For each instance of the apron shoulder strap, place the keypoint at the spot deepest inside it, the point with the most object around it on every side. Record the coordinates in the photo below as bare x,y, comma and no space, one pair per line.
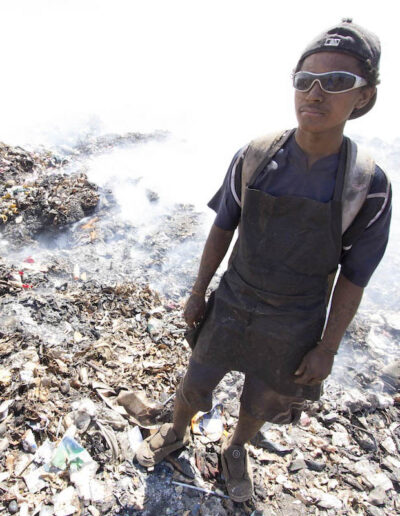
360,168
259,152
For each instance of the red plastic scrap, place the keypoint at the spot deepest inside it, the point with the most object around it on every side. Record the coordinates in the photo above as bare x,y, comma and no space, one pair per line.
29,260
26,285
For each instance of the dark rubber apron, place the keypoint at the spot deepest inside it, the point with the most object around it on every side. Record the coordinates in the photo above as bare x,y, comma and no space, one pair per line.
270,307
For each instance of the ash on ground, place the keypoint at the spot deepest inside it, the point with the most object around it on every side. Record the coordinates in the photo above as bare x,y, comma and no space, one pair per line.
91,355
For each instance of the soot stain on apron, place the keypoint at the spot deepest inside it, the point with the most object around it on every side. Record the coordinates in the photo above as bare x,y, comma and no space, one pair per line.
270,306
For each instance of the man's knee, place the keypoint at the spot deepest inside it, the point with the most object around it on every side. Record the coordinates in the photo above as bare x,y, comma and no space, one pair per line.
195,397
196,388
263,403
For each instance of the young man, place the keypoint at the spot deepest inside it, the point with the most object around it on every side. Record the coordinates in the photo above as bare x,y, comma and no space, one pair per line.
297,204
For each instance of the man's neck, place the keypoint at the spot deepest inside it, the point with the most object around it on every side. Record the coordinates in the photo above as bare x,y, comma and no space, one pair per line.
317,146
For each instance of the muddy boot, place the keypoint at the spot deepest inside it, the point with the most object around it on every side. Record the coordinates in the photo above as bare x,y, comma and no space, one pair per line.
237,472
157,446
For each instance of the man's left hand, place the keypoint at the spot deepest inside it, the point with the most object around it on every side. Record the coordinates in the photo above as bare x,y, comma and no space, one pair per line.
315,367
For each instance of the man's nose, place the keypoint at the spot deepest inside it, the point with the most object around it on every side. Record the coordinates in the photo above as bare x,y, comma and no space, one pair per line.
315,92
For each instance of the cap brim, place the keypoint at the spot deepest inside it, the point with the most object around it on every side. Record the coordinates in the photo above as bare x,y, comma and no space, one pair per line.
360,112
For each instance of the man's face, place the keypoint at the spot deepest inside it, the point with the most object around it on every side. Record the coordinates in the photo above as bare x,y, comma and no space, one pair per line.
318,111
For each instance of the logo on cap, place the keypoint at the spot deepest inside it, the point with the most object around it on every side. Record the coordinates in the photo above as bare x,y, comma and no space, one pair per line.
332,42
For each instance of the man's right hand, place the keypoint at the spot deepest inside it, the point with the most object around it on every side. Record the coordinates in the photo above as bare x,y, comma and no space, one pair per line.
214,251
194,309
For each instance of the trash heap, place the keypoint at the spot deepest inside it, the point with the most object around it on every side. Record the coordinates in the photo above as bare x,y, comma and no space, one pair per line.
90,358
37,197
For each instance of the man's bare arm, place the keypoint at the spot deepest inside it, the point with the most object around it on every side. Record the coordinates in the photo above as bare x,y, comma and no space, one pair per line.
215,249
317,363
345,302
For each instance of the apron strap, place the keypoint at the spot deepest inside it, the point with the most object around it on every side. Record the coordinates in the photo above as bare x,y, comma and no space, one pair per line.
273,147
341,173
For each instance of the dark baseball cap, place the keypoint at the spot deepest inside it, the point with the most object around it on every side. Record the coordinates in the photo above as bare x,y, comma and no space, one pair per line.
349,38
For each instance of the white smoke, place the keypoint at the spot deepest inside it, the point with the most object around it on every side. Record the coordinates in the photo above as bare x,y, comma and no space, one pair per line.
214,75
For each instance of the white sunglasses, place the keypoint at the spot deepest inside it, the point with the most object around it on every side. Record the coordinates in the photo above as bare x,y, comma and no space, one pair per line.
330,82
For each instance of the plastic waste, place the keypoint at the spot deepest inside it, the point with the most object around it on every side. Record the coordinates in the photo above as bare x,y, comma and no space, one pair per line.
66,502
4,409
90,488
4,442
262,440
26,374
183,462
70,454
24,509
44,452
154,325
29,442
46,510
135,438
209,424
33,480
4,476
329,501
140,407
5,377
82,413
201,489
76,272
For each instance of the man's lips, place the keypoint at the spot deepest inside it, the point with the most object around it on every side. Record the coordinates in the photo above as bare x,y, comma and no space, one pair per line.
311,111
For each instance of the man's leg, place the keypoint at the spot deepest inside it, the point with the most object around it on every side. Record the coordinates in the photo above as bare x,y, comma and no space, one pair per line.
193,394
246,428
259,403
234,458
183,413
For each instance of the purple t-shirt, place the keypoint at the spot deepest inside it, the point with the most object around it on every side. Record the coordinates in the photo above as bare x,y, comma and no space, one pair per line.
288,174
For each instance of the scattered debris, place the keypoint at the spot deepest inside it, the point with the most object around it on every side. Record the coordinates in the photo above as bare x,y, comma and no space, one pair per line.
37,197
91,356
209,424
208,491
137,405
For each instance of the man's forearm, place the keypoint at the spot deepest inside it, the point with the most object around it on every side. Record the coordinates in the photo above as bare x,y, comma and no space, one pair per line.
345,302
215,249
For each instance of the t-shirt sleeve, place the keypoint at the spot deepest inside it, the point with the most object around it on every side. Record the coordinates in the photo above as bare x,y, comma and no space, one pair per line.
226,201
360,261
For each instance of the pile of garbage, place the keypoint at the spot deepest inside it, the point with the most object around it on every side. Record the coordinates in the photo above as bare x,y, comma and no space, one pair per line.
37,197
91,355
65,358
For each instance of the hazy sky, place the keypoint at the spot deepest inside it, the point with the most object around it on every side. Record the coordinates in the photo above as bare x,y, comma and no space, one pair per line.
216,73
215,66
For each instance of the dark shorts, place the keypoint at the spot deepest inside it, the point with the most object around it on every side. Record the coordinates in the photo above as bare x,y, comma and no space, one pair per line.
257,398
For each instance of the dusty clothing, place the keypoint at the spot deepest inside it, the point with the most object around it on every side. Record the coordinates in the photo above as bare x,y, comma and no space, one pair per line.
270,307
288,174
257,398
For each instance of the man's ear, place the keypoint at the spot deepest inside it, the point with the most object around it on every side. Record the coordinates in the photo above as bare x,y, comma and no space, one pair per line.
366,94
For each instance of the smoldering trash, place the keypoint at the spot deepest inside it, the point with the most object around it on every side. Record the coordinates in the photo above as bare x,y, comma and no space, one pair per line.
91,353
